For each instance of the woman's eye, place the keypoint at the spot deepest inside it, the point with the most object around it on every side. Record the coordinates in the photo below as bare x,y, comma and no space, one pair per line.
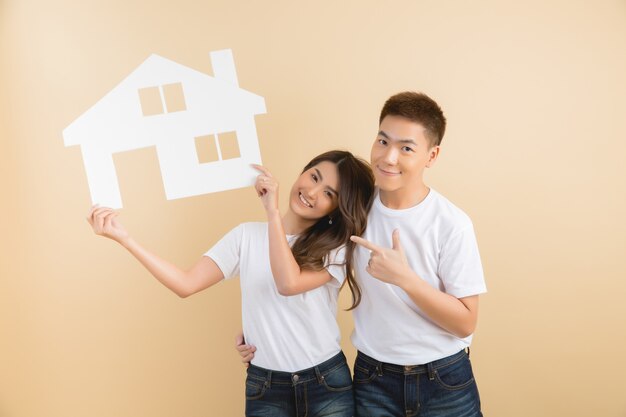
314,177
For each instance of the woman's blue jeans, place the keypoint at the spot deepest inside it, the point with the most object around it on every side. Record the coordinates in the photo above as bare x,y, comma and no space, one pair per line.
324,390
442,388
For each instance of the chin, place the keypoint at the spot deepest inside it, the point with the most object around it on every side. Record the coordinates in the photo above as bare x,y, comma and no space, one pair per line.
294,205
385,185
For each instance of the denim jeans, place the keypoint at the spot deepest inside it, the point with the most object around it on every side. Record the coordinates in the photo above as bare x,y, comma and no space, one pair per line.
442,388
324,390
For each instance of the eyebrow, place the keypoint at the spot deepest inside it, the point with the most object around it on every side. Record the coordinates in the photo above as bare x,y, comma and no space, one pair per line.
381,133
319,174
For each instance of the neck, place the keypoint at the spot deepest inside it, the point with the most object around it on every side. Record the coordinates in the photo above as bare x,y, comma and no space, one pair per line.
294,225
404,198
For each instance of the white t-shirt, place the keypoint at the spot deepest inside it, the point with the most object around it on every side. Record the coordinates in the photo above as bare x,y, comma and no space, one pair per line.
440,245
291,333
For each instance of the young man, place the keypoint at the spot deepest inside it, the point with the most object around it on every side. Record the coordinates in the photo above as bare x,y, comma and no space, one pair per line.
420,274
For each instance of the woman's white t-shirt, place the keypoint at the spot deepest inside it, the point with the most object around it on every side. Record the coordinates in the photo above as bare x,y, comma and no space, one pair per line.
290,333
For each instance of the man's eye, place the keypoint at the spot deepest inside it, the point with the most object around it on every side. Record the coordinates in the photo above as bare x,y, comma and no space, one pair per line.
382,141
407,149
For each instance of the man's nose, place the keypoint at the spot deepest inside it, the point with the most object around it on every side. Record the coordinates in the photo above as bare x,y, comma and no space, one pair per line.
391,155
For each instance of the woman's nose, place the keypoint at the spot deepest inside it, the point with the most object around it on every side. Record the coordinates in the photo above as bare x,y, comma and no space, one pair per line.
313,191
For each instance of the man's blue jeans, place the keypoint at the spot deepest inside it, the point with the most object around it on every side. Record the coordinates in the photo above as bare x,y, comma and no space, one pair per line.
442,388
324,390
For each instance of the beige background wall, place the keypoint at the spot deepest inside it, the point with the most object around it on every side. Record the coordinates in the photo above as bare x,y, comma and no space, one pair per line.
535,94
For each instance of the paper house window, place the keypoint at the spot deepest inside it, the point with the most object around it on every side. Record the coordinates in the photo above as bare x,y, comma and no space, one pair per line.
150,101
166,98
212,148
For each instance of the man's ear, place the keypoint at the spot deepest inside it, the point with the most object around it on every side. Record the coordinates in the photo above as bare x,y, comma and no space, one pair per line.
433,154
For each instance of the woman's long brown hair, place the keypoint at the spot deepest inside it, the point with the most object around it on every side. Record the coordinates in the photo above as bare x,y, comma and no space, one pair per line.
356,191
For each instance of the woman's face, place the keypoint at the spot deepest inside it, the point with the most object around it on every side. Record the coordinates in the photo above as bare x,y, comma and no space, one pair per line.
315,192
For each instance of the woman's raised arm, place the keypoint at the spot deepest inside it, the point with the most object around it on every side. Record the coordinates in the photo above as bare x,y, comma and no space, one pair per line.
184,283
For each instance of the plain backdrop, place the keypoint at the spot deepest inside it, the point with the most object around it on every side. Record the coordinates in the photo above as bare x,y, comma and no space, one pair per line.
535,96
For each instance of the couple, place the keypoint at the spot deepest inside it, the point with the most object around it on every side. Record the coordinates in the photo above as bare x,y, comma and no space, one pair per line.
415,286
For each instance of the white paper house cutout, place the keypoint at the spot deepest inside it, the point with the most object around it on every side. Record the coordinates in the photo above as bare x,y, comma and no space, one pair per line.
201,106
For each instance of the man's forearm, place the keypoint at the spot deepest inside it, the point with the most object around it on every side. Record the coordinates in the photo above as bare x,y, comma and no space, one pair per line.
458,316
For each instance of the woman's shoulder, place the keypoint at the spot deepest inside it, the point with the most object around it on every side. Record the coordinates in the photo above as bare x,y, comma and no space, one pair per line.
253,228
337,255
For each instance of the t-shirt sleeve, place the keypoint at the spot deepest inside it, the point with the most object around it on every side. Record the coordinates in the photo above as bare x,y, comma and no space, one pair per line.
226,252
460,268
335,264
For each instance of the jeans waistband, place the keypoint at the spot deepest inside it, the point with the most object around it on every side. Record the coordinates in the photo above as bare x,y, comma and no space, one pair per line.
292,378
413,369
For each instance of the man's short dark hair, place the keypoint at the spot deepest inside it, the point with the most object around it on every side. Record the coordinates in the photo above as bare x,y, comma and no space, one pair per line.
418,108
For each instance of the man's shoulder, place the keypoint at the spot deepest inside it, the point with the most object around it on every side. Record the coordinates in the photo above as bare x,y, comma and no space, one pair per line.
448,213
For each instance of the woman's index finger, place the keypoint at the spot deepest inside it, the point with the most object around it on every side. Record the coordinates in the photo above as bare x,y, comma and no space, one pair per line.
262,169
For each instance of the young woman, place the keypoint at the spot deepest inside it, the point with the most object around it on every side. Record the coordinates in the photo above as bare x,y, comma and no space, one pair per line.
291,270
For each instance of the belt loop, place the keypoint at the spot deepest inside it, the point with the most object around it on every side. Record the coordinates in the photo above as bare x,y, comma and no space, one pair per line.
268,382
318,374
468,351
431,371
379,369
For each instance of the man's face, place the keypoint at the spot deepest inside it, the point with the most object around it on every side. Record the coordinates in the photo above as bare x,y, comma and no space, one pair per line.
399,155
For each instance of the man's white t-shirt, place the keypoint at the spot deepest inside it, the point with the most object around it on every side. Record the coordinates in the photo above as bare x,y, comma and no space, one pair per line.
440,245
290,333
